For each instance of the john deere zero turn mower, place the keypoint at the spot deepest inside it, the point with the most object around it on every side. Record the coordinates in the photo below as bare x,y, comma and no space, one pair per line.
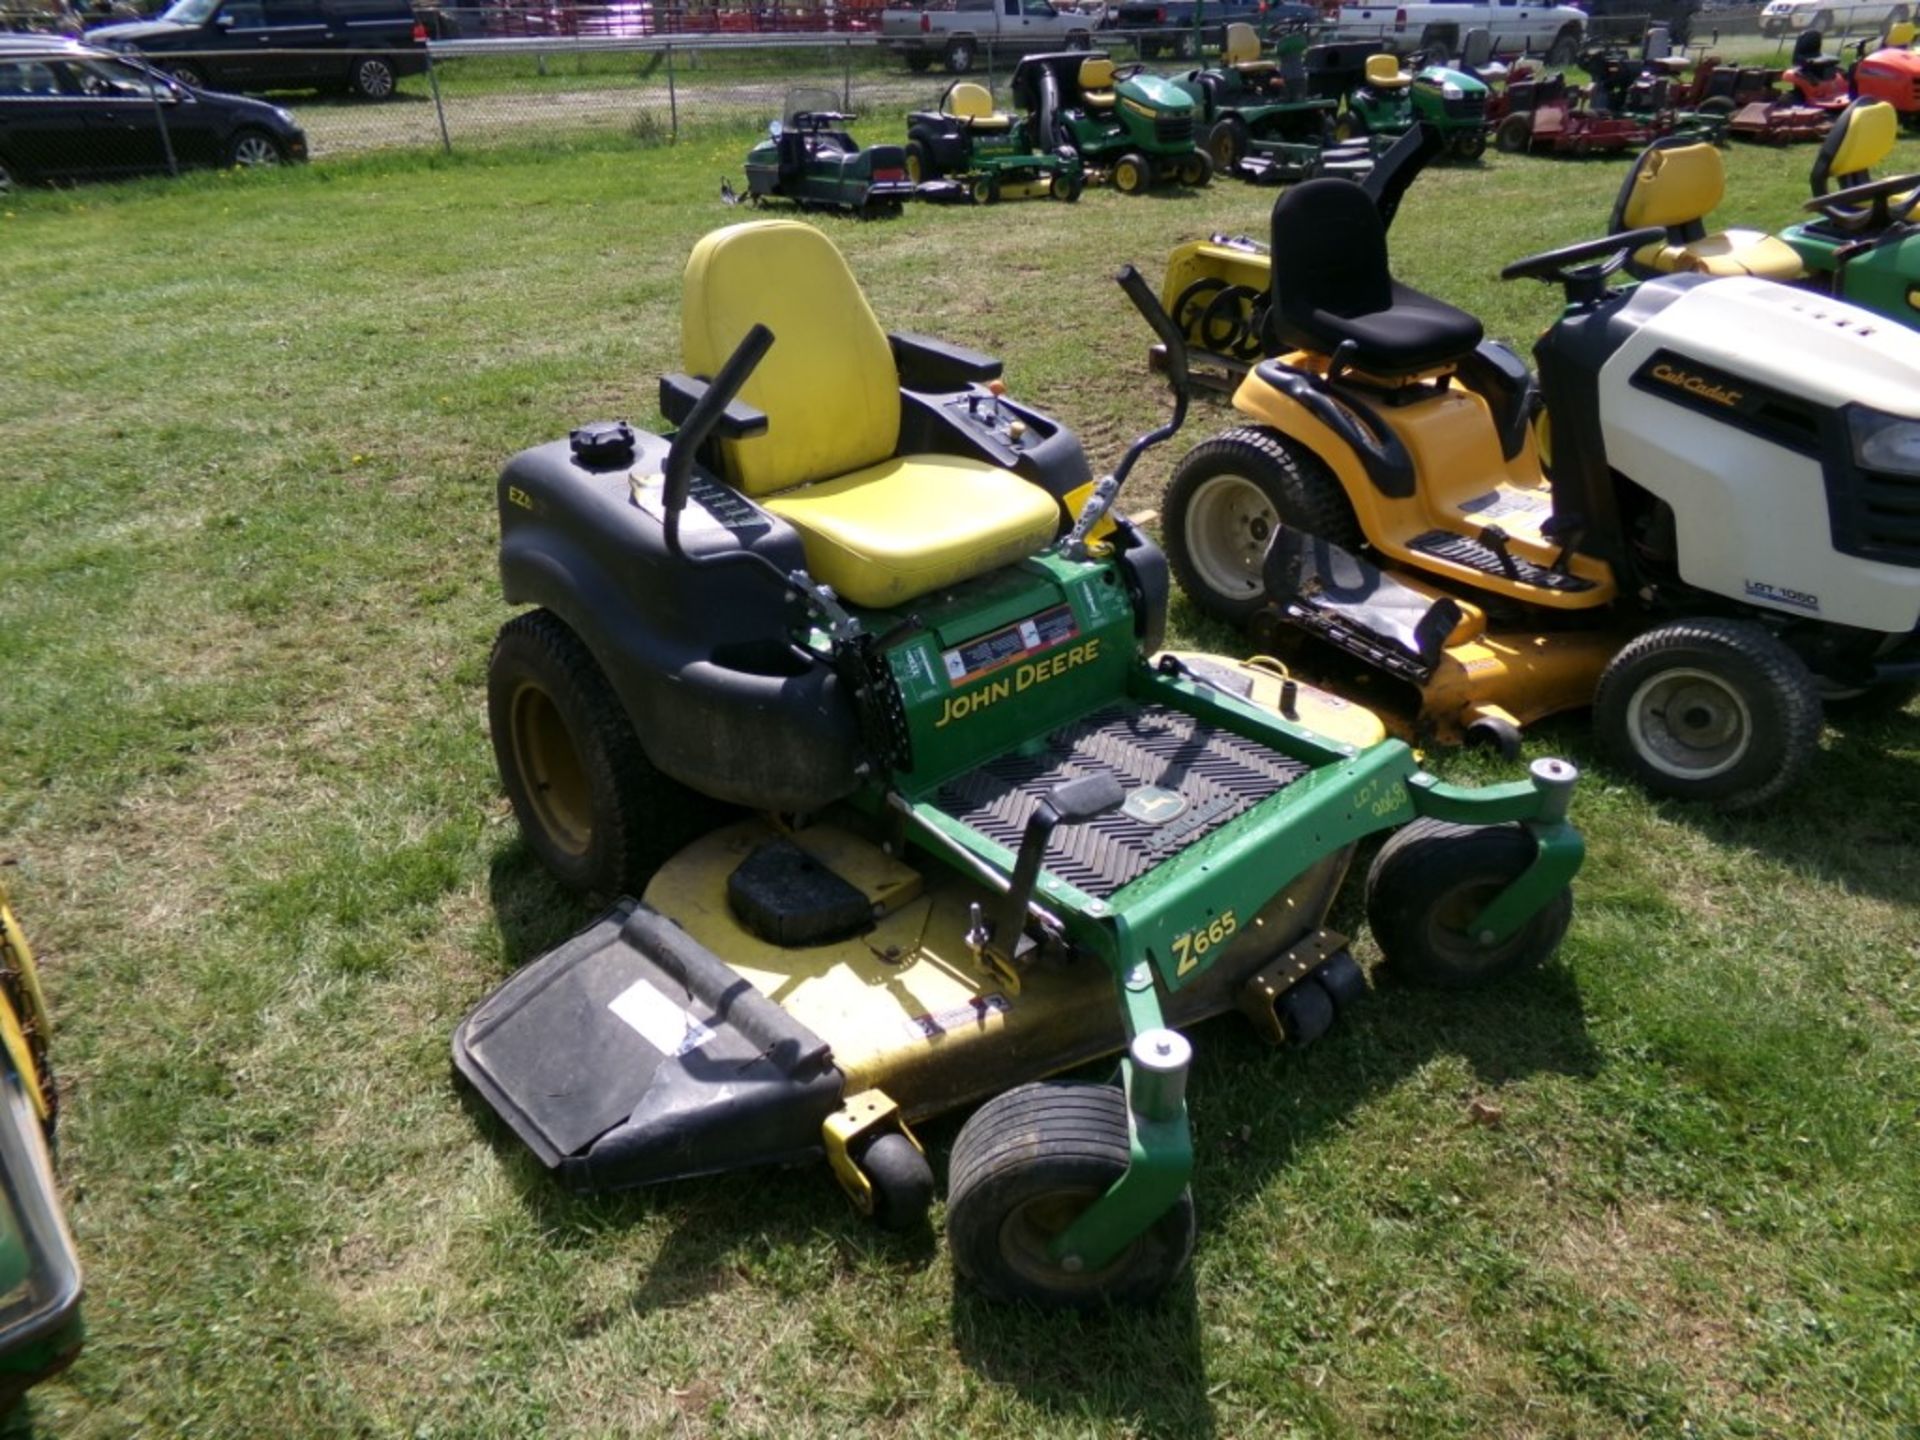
809,158
968,149
851,681
1731,530
40,1330
1138,128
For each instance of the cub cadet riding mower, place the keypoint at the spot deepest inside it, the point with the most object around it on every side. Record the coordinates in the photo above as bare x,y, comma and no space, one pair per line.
1258,120
40,1328
1731,530
1138,128
808,159
967,149
867,597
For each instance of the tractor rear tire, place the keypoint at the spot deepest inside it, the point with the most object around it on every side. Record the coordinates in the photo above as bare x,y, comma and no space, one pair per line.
920,163
1196,170
1132,174
1710,709
1227,143
1225,501
1515,135
1025,1166
590,803
1431,879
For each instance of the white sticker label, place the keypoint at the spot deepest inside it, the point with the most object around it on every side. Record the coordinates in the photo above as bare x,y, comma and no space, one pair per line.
661,1023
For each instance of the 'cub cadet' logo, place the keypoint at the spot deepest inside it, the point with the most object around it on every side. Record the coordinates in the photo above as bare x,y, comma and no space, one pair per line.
1033,672
1696,385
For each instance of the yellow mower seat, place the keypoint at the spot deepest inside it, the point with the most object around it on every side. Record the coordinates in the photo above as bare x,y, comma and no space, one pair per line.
1096,83
1384,73
1242,51
1676,187
1861,138
973,105
880,528
1900,36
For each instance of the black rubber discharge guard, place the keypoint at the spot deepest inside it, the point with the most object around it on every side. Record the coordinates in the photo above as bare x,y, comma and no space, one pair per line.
632,1054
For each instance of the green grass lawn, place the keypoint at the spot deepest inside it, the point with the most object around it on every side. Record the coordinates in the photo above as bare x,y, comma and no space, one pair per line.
251,427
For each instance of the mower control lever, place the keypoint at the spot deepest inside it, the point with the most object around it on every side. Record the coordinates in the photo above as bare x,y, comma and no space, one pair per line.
699,425
1072,803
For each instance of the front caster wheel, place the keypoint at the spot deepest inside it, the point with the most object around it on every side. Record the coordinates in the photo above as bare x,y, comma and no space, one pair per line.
1428,884
1025,1167
1715,710
902,1182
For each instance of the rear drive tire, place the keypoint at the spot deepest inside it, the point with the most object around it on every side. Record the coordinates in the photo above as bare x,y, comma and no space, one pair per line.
1225,501
251,148
920,163
1025,1166
1227,143
371,78
902,1182
590,803
1431,879
1196,170
1515,135
1132,174
1716,710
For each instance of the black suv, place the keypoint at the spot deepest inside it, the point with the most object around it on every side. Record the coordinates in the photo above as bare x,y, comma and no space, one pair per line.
71,112
358,45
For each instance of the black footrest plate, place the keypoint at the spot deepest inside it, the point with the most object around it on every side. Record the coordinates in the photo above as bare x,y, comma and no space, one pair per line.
1475,555
1356,606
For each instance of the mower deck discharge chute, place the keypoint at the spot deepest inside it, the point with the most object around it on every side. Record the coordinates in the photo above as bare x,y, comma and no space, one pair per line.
1729,533
888,610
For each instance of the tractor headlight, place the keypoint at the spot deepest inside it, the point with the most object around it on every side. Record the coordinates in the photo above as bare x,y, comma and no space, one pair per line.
1451,91
1889,444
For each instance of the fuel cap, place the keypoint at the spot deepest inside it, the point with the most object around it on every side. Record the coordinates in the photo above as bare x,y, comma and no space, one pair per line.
603,442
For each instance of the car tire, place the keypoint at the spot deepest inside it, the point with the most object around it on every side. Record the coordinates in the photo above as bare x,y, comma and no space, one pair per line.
960,57
1079,40
192,76
1565,47
251,149
371,78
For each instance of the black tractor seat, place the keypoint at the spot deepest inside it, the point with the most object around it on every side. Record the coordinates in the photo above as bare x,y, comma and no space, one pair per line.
1331,285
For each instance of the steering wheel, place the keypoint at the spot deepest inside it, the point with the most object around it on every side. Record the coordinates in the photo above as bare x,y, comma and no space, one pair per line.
1572,265
1126,72
1840,205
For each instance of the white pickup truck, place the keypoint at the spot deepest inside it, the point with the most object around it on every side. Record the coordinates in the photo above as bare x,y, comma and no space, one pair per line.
955,32
1438,26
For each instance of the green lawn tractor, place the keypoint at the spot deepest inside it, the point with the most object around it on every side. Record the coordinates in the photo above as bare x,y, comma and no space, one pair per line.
968,150
1258,120
1864,245
853,682
40,1329
1389,101
809,158
1138,128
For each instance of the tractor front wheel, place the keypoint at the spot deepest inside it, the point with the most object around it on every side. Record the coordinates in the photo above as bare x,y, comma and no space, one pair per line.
1132,174
1710,709
1226,500
1195,170
986,189
1025,1167
1066,186
1470,145
589,802
1429,883
902,1182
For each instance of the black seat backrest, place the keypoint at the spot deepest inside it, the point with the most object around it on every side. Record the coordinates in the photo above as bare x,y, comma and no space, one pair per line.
1723,81
1549,88
1329,253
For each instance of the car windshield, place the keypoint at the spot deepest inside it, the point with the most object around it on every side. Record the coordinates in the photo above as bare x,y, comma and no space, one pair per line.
191,12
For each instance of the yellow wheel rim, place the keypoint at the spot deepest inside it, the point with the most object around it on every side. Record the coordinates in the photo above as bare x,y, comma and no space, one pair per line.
549,764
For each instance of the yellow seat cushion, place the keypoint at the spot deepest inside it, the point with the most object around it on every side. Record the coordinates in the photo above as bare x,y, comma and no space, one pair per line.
897,530
828,386
1867,132
1727,252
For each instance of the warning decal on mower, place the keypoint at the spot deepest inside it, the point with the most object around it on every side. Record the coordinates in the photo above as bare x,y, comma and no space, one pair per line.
973,1015
1013,642
661,1023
